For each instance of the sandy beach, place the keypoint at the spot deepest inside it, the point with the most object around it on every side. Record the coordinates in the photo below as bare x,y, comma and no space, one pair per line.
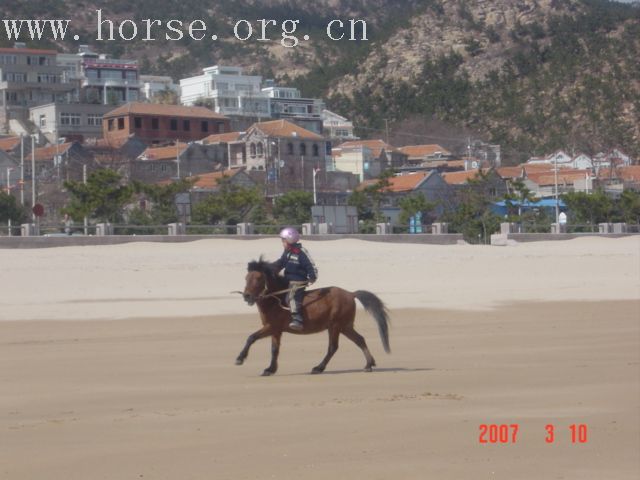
117,362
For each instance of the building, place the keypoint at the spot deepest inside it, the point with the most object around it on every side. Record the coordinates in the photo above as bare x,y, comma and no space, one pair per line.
71,121
228,92
287,103
100,79
177,161
29,77
156,123
336,127
429,184
153,87
367,158
289,155
419,155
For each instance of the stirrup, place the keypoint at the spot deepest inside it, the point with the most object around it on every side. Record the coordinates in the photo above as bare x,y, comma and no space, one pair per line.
296,323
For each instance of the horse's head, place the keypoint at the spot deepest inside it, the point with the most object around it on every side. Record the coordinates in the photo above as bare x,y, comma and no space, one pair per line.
259,274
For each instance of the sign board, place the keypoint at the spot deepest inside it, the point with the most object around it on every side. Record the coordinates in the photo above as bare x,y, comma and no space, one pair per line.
38,210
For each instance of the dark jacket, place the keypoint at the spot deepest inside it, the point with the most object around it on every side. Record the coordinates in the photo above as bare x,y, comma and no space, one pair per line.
297,264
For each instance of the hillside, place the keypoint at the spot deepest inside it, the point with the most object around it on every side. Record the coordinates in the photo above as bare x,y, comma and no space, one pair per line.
531,75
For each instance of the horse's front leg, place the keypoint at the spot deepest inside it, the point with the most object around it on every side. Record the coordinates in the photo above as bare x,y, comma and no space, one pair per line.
275,351
255,336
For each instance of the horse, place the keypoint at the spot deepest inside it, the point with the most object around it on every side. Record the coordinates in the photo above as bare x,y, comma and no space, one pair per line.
329,308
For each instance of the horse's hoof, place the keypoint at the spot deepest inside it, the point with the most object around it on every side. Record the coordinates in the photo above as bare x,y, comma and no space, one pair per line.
368,368
239,361
315,370
267,373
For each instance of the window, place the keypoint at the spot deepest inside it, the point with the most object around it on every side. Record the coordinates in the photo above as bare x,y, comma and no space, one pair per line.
186,125
303,149
315,150
121,123
260,149
204,126
290,148
72,119
155,124
252,150
137,122
173,124
110,124
43,121
94,120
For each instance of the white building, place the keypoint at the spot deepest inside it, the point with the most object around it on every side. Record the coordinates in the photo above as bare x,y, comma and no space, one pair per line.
151,85
231,92
337,126
287,103
100,79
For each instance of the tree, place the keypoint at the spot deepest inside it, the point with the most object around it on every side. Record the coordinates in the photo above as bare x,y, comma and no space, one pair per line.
412,204
368,201
588,208
10,210
629,207
473,216
162,197
230,205
102,198
293,208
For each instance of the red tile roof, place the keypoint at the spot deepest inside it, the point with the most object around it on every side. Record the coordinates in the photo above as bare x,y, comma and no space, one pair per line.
629,174
399,183
285,129
47,153
208,181
459,178
222,137
9,143
138,108
420,151
163,153
565,176
28,51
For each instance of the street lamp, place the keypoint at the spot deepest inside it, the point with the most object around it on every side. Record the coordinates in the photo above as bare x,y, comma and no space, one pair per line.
555,177
315,198
9,180
33,176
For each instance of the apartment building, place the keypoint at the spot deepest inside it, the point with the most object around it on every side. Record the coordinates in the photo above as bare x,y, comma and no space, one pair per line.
29,77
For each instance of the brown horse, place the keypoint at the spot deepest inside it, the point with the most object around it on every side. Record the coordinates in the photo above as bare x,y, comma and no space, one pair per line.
331,308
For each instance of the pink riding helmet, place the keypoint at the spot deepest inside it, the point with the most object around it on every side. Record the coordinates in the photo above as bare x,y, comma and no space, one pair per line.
290,235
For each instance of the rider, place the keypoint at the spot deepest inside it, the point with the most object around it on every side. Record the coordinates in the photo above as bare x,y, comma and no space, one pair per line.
299,271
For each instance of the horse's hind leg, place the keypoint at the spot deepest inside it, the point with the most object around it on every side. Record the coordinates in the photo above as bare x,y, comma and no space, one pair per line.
334,335
275,351
359,340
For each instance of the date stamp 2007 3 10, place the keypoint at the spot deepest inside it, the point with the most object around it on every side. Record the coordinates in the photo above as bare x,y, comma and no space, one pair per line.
508,433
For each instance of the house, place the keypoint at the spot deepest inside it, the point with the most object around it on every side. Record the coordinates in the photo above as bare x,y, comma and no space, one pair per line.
177,161
494,186
430,184
289,155
156,123
337,127
65,161
418,155
287,103
543,183
367,158
154,86
71,121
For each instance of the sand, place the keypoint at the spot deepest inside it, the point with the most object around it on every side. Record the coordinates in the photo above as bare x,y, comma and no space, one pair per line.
117,362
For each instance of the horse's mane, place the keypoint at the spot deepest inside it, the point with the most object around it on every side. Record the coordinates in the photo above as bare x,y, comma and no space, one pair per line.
263,266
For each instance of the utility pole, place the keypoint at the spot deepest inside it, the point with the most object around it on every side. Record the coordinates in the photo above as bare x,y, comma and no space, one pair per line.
33,176
22,169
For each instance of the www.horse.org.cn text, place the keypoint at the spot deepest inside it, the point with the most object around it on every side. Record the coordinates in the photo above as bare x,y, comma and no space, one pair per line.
148,30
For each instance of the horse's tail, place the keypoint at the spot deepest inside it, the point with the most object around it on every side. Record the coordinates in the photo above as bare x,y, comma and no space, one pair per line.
374,306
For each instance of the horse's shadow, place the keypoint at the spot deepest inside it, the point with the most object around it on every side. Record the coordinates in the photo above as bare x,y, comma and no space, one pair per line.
360,370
